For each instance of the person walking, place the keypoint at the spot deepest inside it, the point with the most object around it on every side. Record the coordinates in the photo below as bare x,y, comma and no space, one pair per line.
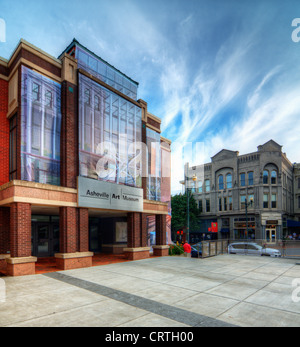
187,249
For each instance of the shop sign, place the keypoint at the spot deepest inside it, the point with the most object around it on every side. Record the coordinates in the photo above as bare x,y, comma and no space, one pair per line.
110,196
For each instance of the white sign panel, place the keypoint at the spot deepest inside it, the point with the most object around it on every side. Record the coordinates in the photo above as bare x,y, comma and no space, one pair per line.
109,196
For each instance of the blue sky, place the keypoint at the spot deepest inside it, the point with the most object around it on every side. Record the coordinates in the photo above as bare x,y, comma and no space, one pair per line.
220,73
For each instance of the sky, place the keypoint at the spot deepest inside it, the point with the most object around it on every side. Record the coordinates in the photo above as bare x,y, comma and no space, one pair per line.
219,73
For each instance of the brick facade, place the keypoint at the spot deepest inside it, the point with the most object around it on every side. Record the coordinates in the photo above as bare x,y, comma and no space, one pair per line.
4,133
15,217
69,136
4,230
20,230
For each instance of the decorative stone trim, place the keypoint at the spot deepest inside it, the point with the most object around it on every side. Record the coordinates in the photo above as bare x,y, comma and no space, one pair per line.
73,255
160,247
137,249
21,260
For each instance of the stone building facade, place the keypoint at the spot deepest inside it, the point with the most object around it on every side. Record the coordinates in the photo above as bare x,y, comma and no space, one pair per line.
255,189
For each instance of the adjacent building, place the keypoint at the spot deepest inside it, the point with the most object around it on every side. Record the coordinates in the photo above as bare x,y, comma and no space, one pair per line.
259,190
83,164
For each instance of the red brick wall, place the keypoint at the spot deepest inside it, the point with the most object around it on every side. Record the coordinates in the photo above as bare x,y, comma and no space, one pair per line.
20,230
68,229
137,230
161,229
83,232
69,136
4,133
74,230
4,229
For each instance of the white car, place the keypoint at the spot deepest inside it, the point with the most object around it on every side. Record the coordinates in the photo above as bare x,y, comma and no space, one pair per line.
252,248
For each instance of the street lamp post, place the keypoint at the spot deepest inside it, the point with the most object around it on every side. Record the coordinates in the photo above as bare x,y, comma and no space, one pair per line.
187,178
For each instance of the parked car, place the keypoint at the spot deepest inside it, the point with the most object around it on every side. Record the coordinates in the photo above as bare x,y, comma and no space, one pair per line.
252,248
196,250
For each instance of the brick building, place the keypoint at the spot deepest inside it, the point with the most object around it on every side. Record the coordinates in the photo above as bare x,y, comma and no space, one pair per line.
83,162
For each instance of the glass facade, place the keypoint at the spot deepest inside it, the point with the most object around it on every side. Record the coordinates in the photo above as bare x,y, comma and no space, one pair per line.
154,165
106,73
40,128
109,135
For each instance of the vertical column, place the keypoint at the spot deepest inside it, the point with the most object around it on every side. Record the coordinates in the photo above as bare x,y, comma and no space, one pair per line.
161,248
69,136
4,236
21,262
136,246
83,232
69,126
74,228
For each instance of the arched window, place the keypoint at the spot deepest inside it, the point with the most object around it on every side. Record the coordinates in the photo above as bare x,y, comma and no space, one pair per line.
273,177
266,177
229,181
221,182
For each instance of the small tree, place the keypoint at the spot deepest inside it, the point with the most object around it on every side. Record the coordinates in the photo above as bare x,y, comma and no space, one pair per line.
179,213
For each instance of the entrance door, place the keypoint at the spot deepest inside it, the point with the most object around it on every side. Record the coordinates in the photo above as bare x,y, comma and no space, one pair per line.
271,235
45,239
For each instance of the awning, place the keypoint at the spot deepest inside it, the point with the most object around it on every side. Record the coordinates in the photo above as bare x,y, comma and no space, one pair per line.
292,224
225,230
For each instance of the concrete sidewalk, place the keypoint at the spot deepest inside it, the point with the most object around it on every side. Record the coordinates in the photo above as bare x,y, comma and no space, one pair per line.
227,290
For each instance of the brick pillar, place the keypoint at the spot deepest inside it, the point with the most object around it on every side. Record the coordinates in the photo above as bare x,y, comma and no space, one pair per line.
161,249
68,229
21,261
144,231
83,232
74,236
69,136
136,245
4,236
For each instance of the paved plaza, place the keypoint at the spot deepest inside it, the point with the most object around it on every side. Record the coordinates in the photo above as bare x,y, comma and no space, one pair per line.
227,290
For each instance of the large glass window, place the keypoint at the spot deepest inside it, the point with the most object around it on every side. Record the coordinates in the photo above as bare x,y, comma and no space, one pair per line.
106,73
250,178
40,128
266,201
154,165
221,182
242,180
266,177
109,135
243,202
273,177
13,148
207,202
207,185
229,181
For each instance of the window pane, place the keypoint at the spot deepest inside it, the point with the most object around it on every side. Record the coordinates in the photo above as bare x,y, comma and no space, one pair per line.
229,181
266,177
250,178
242,180
221,183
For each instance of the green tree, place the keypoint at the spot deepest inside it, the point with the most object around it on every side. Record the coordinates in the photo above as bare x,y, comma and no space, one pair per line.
179,214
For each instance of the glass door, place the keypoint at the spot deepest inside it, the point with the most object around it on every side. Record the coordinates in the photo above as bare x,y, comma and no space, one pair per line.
43,240
271,235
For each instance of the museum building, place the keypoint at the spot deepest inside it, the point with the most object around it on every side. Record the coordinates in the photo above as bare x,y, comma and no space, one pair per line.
83,165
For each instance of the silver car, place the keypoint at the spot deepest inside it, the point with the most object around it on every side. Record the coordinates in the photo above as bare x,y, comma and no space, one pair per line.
252,248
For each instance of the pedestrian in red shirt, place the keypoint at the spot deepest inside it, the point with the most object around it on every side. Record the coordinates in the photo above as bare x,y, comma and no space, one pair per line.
187,249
